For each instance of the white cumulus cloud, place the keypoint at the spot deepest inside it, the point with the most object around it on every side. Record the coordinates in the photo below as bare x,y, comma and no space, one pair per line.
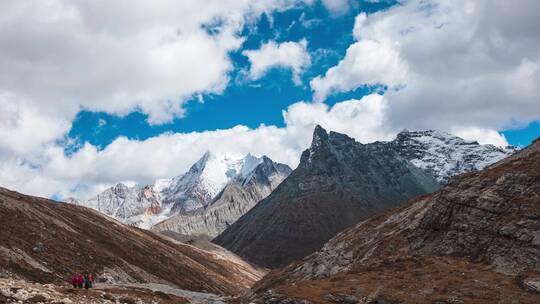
366,63
292,55
100,56
336,7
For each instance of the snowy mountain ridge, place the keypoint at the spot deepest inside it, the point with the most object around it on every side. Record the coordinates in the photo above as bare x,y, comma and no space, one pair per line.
444,155
440,154
145,206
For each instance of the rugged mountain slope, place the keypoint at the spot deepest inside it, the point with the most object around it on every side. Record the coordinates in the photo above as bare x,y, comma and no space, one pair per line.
191,192
231,203
444,155
475,241
337,183
46,241
132,205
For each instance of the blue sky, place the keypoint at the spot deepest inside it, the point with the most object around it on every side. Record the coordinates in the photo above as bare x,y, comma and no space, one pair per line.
523,136
261,101
247,103
132,94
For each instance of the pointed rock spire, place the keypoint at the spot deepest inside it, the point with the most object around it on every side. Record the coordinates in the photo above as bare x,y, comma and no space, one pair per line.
320,136
120,188
201,163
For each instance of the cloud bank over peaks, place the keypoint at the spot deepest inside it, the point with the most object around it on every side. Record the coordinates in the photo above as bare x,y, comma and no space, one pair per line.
90,170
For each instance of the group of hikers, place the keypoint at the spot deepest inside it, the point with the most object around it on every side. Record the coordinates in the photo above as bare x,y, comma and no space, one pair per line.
79,281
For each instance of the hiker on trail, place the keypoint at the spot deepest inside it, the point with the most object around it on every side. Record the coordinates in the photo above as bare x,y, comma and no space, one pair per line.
73,280
80,281
86,282
90,279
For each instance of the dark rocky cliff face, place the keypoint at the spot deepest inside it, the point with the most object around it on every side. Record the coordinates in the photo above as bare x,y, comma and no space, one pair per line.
477,241
337,183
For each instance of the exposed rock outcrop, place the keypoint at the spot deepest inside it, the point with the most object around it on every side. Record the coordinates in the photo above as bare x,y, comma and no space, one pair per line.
133,205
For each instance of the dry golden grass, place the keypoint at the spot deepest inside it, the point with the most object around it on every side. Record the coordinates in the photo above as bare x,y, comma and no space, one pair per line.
418,280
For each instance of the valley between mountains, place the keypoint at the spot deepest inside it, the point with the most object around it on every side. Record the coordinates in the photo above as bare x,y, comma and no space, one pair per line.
425,218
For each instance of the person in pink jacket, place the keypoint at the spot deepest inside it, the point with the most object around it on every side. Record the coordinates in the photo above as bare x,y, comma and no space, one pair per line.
73,280
80,280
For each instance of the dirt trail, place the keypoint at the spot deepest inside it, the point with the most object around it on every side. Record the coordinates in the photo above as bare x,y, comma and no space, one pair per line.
21,291
191,296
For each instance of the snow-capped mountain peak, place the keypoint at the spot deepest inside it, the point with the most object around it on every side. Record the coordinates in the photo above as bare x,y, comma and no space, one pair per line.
144,206
223,168
206,178
445,155
161,184
249,163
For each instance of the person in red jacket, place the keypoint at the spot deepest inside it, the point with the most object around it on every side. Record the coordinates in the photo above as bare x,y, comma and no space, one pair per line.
73,280
80,281
90,277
